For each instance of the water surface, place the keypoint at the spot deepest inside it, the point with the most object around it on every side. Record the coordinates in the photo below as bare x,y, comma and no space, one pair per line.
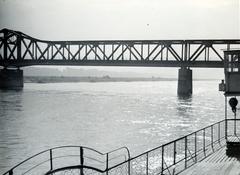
104,116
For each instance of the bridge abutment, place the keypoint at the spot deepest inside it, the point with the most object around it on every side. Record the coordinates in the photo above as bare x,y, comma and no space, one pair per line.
184,81
11,79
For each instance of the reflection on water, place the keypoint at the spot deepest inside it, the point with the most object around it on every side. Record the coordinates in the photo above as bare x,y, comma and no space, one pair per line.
139,115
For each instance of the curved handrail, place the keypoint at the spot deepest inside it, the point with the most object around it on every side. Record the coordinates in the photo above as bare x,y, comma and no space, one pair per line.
67,146
74,167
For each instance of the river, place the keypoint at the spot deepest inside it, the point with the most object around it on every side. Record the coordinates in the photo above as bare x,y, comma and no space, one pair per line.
102,115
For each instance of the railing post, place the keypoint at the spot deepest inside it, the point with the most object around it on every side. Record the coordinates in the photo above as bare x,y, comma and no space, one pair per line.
147,164
10,172
51,163
174,153
81,160
219,132
212,136
204,142
129,166
226,122
186,152
195,149
107,165
235,125
162,160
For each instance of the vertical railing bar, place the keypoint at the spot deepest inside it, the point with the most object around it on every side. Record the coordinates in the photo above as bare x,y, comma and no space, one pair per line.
219,132
129,166
51,163
195,149
107,165
204,142
174,153
186,152
162,160
235,125
226,123
212,136
81,160
147,164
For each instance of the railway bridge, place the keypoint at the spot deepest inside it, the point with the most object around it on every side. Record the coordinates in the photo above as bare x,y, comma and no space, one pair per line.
19,50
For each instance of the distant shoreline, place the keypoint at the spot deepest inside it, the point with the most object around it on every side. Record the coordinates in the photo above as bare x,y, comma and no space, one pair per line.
61,79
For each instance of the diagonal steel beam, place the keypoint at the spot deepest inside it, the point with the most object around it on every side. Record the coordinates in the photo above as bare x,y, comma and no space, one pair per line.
174,53
217,53
200,47
199,53
28,48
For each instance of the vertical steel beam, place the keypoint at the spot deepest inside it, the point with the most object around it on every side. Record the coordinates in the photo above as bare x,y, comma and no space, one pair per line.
19,48
185,51
5,44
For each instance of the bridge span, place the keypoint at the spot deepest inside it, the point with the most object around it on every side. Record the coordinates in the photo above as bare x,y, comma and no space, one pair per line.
18,50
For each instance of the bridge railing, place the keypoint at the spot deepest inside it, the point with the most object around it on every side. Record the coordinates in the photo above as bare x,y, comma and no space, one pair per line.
18,49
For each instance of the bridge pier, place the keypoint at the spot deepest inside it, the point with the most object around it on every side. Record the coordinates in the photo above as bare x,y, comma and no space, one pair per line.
184,81
11,79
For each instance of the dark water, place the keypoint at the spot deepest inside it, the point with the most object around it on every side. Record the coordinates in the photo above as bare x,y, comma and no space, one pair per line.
104,116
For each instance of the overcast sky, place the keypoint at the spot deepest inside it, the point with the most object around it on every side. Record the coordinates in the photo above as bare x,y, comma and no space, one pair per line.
122,19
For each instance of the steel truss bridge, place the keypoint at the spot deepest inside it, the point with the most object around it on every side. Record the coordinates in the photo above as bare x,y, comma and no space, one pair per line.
18,50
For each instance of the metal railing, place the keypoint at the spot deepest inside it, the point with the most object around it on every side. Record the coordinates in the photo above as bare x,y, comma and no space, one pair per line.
69,157
170,158
233,129
176,156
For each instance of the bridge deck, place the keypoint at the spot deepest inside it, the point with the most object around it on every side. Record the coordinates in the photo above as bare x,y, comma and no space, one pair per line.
216,164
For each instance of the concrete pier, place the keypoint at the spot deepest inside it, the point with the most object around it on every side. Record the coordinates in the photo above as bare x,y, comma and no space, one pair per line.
11,79
184,81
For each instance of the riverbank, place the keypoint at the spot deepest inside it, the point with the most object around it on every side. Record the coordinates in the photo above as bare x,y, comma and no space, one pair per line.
55,79
61,79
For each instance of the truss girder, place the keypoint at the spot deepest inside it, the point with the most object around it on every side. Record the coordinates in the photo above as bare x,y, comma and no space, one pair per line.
18,49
